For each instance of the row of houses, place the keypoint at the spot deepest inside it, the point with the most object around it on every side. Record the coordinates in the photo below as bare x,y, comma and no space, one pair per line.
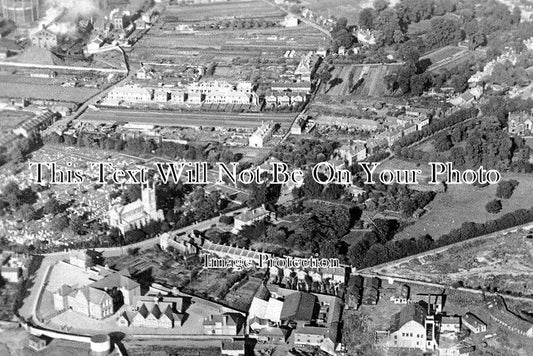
284,99
135,94
35,124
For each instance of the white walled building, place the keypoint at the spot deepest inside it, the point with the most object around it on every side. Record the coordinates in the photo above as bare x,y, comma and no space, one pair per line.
131,94
262,135
413,328
136,214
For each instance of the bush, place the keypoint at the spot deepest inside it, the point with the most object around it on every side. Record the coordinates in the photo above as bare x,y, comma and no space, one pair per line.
506,188
494,206
228,220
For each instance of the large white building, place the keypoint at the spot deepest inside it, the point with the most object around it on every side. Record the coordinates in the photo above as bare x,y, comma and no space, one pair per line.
265,306
262,134
138,213
413,328
131,94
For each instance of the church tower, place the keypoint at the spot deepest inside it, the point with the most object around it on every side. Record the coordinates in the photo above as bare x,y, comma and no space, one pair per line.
148,198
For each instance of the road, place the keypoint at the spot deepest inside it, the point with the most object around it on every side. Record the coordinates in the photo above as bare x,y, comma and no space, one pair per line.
30,305
186,119
99,96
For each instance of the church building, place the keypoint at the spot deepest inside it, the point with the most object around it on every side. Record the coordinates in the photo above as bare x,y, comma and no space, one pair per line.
138,213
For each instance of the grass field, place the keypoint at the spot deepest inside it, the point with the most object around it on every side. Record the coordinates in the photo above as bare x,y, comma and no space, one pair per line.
340,8
503,262
464,203
443,53
9,119
373,84
46,92
224,45
204,12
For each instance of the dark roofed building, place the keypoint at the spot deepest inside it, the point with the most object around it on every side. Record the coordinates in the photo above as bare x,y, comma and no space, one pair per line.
262,292
273,335
412,312
299,306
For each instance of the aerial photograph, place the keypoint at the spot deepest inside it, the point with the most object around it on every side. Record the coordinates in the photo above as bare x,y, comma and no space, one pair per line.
266,177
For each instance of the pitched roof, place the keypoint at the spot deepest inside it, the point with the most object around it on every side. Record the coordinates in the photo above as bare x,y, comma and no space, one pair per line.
312,330
120,279
262,293
225,319
64,290
93,295
412,312
274,331
299,306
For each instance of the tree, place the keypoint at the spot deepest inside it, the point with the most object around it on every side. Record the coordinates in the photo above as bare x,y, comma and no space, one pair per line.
133,251
227,220
506,188
366,18
388,22
76,225
494,206
27,212
59,223
404,78
443,142
325,76
443,32
359,338
459,82
380,5
334,82
409,52
419,83
478,39
52,206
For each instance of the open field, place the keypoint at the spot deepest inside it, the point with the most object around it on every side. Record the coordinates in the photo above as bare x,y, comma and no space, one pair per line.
46,92
186,119
454,60
206,46
443,53
465,203
205,12
340,8
503,263
373,84
9,119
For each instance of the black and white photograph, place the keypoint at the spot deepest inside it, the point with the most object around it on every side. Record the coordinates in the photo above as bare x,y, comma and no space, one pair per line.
266,177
